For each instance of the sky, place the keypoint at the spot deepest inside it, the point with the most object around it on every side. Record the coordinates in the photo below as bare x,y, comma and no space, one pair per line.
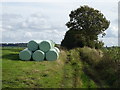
22,21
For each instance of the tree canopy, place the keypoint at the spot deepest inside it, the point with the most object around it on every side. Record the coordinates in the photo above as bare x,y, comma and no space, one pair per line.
85,25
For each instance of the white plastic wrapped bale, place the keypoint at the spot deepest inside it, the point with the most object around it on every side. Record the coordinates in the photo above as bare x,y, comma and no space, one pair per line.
52,55
57,49
38,55
32,45
53,43
45,46
25,54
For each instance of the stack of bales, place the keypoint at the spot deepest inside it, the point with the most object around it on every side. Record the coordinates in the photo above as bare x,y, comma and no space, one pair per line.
45,50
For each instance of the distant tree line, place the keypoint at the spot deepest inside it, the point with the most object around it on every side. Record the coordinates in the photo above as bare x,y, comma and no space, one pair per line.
13,44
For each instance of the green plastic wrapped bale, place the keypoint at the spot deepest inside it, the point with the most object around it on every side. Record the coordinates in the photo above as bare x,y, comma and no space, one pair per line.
52,55
38,55
25,54
57,49
32,45
45,46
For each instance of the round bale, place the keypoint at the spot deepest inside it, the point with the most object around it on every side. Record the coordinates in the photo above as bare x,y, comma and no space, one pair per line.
32,45
45,46
57,49
25,54
38,55
52,55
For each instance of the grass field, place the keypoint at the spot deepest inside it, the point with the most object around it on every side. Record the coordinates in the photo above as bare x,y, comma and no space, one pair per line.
77,68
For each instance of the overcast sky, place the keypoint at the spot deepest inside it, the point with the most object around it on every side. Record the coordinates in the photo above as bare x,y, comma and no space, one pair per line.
23,21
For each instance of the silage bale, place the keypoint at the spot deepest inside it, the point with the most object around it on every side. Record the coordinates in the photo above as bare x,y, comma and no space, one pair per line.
25,54
32,45
52,55
57,49
38,55
46,45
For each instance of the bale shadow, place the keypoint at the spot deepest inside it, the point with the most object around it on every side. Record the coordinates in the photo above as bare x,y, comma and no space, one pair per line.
13,49
11,56
14,57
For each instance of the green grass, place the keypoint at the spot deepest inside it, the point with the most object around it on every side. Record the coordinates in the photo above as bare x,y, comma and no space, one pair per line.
29,74
77,68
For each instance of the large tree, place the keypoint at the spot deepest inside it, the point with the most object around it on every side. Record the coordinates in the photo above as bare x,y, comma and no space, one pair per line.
85,25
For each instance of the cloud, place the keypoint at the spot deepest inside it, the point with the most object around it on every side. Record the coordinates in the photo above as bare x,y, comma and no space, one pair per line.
15,22
110,41
112,31
10,16
111,38
36,23
10,21
36,26
28,34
